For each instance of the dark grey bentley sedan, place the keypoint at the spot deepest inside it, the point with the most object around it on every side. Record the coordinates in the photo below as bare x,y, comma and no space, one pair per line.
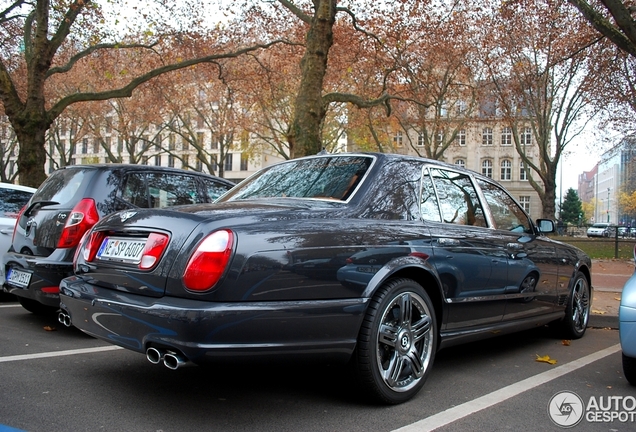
374,260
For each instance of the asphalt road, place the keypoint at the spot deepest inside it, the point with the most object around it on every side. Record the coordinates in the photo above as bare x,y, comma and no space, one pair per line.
54,378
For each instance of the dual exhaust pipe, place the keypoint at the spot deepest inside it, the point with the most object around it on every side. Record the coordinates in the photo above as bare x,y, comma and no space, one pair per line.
64,318
171,359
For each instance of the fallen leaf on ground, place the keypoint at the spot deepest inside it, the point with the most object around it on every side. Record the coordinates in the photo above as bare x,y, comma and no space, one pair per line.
546,359
566,342
49,328
598,312
617,298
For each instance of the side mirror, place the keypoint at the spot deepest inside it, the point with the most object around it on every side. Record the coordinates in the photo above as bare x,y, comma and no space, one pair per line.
545,225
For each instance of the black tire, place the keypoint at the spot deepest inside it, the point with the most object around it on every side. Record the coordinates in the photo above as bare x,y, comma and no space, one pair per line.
36,307
397,342
577,311
629,369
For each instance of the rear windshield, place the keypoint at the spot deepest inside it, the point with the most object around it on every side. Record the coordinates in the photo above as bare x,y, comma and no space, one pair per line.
12,201
62,186
333,177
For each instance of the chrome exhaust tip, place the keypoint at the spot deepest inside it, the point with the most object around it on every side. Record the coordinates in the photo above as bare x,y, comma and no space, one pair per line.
173,361
154,355
64,318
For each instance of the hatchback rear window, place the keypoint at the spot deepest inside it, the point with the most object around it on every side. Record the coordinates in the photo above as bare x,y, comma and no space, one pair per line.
62,186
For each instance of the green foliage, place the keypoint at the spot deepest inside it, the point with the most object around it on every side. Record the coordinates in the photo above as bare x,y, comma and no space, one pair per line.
571,208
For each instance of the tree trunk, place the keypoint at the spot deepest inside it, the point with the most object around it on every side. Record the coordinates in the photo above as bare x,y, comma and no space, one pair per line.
32,155
305,137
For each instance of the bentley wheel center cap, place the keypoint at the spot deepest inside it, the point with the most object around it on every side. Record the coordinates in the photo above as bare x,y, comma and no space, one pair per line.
404,341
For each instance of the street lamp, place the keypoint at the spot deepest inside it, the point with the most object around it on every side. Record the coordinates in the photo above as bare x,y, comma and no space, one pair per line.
608,204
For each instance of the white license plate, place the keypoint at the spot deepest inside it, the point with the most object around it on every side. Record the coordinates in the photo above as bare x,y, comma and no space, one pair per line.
19,278
120,249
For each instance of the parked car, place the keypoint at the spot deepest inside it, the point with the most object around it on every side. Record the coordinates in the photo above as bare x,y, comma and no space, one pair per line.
627,327
255,275
600,229
12,199
70,201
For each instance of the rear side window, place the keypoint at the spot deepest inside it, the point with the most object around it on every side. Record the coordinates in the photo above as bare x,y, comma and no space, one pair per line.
458,200
12,201
158,190
215,189
62,186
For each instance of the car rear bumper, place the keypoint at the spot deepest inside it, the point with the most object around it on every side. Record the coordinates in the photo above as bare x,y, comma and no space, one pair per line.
45,276
203,331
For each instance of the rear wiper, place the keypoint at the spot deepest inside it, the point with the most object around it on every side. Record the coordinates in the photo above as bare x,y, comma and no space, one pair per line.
38,204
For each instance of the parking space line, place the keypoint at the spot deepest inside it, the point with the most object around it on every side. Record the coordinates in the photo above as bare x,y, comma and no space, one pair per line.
460,411
58,353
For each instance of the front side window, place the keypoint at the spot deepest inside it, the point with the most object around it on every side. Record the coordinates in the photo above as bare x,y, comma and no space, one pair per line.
506,214
458,200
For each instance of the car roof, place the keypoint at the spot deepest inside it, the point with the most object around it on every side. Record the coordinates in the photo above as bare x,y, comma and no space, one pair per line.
17,187
138,167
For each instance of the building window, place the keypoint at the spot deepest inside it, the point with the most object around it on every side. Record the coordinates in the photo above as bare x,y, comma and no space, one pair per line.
157,142
523,174
244,160
460,162
120,145
157,160
525,203
420,140
227,166
506,170
486,137
439,138
200,139
397,139
461,137
85,146
199,165
486,167
171,161
526,136
506,136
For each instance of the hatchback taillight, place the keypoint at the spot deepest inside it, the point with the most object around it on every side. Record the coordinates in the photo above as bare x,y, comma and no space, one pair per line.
79,220
209,261
17,221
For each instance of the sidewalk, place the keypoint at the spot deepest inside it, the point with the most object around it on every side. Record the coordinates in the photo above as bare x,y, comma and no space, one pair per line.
608,278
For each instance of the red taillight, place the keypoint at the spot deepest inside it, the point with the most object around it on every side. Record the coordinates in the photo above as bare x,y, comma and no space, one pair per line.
91,245
79,220
208,262
17,221
155,246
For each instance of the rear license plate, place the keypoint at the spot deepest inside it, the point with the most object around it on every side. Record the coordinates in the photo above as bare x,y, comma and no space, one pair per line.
120,249
19,278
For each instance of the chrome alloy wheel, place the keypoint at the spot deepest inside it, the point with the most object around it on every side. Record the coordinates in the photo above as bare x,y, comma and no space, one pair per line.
404,341
580,305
